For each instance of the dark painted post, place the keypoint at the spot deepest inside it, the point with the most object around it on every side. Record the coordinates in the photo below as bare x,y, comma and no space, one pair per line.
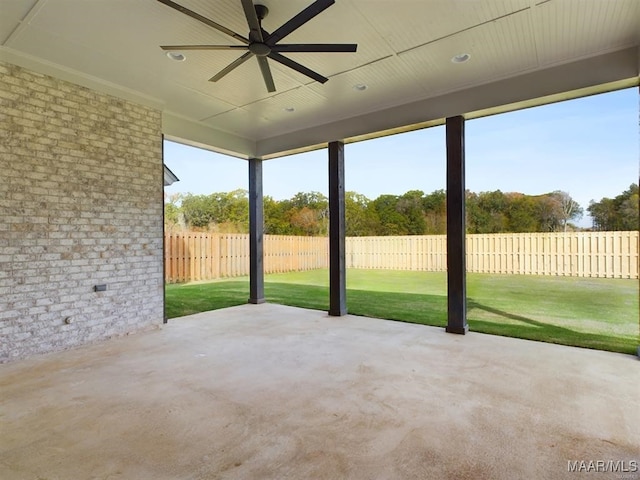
337,266
456,251
256,232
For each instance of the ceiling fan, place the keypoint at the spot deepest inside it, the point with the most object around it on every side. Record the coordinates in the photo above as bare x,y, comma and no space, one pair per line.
262,44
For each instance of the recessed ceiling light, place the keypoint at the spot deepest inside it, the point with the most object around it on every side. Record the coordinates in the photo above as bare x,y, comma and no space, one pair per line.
460,58
178,57
360,87
289,109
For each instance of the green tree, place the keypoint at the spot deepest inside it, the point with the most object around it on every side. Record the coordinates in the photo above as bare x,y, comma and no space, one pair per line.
275,217
629,217
603,214
198,210
521,213
234,211
361,218
619,213
218,211
486,212
474,216
392,222
434,206
410,205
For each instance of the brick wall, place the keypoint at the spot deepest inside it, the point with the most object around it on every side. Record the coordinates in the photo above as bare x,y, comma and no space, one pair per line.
80,205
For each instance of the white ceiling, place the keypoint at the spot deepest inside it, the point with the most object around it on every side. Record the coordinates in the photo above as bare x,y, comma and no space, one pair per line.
520,50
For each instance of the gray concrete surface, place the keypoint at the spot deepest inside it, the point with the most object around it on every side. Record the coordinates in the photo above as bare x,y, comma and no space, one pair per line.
273,392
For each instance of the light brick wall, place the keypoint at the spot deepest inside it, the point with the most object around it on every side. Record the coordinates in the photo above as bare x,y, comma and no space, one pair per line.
80,205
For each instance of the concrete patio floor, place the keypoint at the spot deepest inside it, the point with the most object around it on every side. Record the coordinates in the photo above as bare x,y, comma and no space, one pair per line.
274,392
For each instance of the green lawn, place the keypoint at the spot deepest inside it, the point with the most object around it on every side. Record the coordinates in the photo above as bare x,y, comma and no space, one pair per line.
585,312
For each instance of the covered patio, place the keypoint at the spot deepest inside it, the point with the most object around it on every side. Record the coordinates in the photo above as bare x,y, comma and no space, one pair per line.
91,89
264,391
275,392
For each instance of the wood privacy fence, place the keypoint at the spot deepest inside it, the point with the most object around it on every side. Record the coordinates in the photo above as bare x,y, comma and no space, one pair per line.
575,254
205,256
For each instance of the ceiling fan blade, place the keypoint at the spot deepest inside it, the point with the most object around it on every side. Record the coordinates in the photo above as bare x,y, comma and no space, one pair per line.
231,66
297,67
315,47
255,34
266,74
203,47
300,19
204,20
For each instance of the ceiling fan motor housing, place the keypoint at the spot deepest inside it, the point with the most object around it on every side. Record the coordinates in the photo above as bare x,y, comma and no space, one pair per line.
259,49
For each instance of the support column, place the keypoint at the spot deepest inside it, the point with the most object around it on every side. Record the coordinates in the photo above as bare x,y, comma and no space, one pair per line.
256,232
337,265
456,251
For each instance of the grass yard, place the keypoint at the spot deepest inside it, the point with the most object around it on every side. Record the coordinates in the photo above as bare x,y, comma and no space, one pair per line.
585,312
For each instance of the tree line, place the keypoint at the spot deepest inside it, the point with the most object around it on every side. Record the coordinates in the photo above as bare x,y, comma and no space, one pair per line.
413,213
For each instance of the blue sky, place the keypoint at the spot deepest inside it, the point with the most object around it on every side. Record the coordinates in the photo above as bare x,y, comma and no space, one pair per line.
589,147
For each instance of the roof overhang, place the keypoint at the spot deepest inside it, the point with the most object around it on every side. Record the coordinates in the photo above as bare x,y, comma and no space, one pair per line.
169,177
